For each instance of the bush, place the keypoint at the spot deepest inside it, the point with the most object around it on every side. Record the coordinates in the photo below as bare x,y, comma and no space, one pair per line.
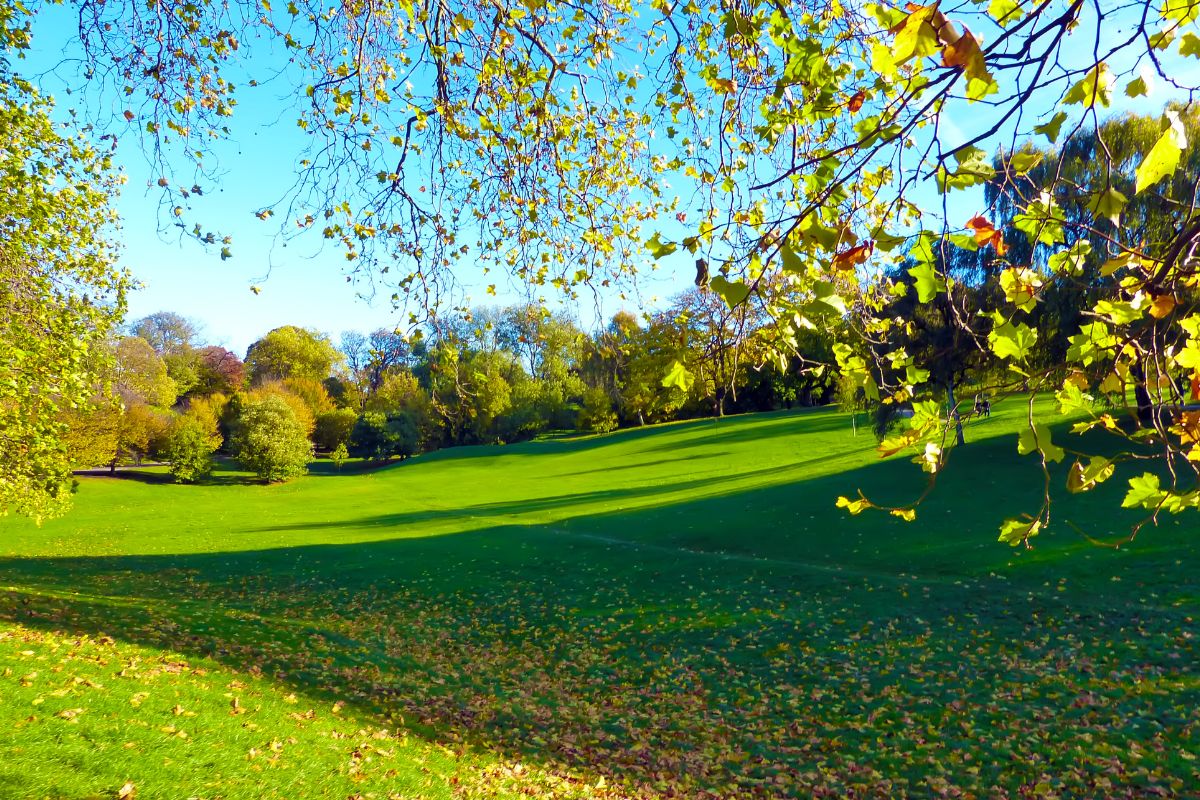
597,414
270,441
339,455
379,437
189,448
334,428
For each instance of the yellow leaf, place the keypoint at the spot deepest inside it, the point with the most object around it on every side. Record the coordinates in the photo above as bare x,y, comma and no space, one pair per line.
1162,305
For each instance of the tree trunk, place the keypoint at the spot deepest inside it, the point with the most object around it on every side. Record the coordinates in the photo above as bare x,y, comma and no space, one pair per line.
958,426
1145,403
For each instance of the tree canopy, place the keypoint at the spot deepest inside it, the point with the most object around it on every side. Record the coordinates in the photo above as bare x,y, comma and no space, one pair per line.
798,154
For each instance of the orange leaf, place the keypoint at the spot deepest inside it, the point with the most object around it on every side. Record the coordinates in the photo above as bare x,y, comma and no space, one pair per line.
847,259
964,52
128,115
856,101
986,233
1162,305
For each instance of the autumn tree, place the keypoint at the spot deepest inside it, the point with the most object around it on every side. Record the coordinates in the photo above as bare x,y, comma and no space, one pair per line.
292,352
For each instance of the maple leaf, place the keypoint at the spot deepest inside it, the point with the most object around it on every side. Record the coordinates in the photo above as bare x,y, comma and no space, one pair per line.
986,233
848,259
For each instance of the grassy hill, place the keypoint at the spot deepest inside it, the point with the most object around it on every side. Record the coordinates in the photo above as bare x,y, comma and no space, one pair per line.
677,611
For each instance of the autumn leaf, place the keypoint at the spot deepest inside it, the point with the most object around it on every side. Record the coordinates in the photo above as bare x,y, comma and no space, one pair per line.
126,792
856,101
985,234
848,259
1161,306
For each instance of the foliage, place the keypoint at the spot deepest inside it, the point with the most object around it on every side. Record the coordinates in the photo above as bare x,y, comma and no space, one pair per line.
333,428
189,447
166,332
219,371
339,455
597,414
269,440
378,437
291,352
300,407
788,150
61,293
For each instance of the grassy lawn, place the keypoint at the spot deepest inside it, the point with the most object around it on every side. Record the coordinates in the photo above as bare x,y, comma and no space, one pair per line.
669,612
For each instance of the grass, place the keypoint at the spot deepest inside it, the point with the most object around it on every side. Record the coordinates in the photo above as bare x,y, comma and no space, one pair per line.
669,612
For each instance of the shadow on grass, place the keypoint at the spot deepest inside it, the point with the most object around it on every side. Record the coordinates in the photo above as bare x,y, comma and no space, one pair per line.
801,656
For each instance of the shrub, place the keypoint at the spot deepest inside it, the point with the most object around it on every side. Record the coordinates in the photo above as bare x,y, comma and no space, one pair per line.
189,448
334,428
339,455
270,441
379,437
597,414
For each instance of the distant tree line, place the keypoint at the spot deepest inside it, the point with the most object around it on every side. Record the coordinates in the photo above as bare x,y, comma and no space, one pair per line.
492,376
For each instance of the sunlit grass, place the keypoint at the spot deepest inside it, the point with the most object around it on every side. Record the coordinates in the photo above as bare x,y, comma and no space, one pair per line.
677,611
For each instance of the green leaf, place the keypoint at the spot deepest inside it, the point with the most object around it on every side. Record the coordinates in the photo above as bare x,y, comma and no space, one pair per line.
679,377
853,506
1084,479
1119,312
1163,158
928,282
1052,128
1016,531
658,248
791,261
1189,45
1070,261
732,292
826,294
917,38
1037,439
1021,163
1095,87
1144,492
1137,87
1005,12
1012,341
1109,203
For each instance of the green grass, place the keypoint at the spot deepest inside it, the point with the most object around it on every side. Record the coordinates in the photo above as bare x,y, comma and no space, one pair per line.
669,612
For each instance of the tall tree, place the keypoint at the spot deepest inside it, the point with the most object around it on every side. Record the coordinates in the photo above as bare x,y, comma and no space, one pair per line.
61,293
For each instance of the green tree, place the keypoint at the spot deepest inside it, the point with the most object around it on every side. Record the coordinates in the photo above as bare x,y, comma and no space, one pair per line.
291,352
61,293
333,428
270,441
597,414
190,444
378,437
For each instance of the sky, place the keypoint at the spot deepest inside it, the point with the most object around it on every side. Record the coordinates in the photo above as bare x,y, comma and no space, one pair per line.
297,283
